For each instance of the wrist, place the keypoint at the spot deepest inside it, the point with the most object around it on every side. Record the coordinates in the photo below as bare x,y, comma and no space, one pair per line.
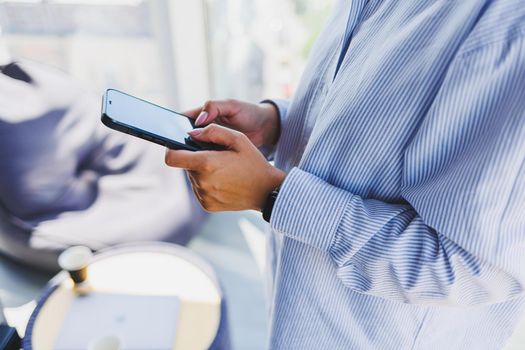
271,123
275,179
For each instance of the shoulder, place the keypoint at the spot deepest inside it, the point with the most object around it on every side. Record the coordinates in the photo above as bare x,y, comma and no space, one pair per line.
501,23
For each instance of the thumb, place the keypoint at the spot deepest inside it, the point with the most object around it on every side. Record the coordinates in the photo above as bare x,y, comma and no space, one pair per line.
219,135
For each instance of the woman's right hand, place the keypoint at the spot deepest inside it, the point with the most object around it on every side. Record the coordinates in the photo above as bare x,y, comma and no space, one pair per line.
260,122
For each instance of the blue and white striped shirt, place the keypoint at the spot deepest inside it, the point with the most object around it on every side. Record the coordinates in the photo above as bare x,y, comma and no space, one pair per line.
401,223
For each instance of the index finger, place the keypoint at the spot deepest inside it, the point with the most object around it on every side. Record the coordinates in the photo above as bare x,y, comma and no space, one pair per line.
193,113
184,159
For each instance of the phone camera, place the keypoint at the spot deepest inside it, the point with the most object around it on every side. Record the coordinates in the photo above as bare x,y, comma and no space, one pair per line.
110,101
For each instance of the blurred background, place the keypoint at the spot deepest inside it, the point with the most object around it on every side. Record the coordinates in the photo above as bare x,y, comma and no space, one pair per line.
174,52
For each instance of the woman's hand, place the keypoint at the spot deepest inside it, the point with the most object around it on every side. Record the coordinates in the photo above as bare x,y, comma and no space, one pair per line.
260,122
238,178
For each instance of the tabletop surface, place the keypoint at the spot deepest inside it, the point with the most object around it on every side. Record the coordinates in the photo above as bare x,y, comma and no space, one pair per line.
145,273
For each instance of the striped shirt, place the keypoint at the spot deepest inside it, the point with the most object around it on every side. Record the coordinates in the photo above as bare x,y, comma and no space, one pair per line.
401,223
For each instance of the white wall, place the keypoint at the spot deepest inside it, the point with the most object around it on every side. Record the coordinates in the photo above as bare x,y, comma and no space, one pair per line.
187,48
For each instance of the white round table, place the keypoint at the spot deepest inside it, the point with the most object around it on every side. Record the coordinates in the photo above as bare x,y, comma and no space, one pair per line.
153,269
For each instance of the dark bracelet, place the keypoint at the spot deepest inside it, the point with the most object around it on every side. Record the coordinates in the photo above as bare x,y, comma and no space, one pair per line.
270,202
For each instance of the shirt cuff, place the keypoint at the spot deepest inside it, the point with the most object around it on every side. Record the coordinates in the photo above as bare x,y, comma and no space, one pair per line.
309,209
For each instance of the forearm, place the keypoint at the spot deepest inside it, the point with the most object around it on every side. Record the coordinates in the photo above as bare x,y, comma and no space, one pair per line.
386,249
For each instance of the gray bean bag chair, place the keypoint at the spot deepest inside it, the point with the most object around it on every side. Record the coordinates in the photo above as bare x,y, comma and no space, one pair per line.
65,179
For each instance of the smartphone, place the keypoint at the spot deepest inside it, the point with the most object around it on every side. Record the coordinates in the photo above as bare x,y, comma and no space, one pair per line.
148,121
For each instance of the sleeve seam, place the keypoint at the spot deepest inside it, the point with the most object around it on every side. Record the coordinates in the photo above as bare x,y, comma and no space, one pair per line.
518,34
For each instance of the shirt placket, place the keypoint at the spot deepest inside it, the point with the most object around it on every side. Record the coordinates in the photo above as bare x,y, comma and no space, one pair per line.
322,88
354,16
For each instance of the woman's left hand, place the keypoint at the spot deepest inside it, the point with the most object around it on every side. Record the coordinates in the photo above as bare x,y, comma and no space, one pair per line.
238,178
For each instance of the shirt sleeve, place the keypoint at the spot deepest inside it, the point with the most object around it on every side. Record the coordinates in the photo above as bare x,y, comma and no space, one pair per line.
458,235
282,109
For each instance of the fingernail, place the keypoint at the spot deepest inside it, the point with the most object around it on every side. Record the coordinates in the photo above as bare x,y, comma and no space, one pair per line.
195,132
201,119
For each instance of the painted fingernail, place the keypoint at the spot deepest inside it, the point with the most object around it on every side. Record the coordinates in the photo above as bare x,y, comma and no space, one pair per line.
195,132
201,119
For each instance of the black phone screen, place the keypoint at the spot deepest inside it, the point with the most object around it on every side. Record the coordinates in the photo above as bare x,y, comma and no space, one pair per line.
139,114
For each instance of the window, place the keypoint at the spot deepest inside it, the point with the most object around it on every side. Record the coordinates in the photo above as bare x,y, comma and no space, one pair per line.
175,52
